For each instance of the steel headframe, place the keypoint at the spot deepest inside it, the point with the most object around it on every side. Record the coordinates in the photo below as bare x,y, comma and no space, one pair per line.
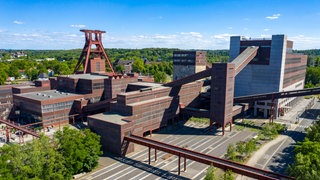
87,51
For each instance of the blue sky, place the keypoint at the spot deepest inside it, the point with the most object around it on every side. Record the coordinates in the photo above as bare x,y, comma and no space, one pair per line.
185,24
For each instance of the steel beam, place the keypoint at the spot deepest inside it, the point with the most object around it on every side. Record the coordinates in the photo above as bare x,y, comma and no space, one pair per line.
206,159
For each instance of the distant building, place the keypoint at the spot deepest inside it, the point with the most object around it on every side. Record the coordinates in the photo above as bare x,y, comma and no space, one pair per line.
127,64
17,54
43,76
186,63
275,68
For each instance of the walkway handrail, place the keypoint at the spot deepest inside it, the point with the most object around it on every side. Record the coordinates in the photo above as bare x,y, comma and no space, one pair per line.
19,127
207,159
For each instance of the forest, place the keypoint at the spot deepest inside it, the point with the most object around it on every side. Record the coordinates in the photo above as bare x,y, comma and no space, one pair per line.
64,61
160,62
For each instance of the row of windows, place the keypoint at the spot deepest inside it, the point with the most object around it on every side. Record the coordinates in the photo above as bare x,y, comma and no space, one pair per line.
56,106
183,55
98,86
183,61
293,60
294,78
294,69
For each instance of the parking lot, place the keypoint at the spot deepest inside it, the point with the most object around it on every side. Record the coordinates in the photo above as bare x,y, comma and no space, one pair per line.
190,135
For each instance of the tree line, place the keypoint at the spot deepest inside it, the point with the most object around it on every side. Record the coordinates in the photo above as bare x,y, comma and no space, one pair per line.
70,152
160,62
307,155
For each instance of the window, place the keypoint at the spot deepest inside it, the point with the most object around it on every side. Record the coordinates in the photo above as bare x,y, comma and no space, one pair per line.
98,66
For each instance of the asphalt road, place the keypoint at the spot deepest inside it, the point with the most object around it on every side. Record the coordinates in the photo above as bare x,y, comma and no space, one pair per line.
281,154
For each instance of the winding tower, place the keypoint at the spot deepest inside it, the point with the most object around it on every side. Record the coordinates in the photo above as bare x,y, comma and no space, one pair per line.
93,57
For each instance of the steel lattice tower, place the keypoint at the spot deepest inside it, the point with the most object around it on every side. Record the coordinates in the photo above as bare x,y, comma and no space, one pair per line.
91,58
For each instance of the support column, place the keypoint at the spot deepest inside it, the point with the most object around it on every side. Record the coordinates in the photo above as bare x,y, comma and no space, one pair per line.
150,131
223,127
185,164
7,135
230,126
179,164
155,155
149,154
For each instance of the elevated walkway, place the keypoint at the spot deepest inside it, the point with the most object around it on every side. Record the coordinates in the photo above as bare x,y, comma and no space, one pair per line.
244,58
19,127
204,158
276,95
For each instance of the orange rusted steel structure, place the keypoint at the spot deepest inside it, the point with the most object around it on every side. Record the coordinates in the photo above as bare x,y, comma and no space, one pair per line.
19,127
204,158
89,57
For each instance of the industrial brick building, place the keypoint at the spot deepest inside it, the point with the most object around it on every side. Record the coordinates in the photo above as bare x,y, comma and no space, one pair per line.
117,105
274,69
49,108
144,108
71,94
186,63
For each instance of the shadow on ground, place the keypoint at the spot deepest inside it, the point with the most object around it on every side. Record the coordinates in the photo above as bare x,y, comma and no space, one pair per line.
286,157
150,169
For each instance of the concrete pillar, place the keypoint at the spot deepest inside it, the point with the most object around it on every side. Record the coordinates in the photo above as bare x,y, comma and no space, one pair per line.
255,111
265,113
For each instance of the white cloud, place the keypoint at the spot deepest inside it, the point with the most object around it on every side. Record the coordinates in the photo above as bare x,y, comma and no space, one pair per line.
266,29
182,40
71,35
245,29
305,42
18,22
224,36
274,16
192,34
229,27
78,25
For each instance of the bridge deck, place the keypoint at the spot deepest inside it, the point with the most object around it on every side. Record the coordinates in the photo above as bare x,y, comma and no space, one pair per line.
206,159
276,95
19,127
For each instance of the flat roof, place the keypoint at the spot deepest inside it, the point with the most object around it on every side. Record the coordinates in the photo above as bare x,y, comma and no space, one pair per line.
86,76
44,95
25,87
149,84
111,117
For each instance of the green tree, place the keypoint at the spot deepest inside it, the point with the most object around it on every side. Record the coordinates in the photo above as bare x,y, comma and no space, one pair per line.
240,147
32,74
3,74
250,146
35,160
119,68
231,152
307,159
227,175
80,149
210,173
313,132
160,77
14,71
138,66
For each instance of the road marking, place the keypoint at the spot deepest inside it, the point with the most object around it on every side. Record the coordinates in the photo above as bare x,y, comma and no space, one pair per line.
265,164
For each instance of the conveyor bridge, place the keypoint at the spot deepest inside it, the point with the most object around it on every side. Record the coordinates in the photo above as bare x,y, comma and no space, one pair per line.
203,158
